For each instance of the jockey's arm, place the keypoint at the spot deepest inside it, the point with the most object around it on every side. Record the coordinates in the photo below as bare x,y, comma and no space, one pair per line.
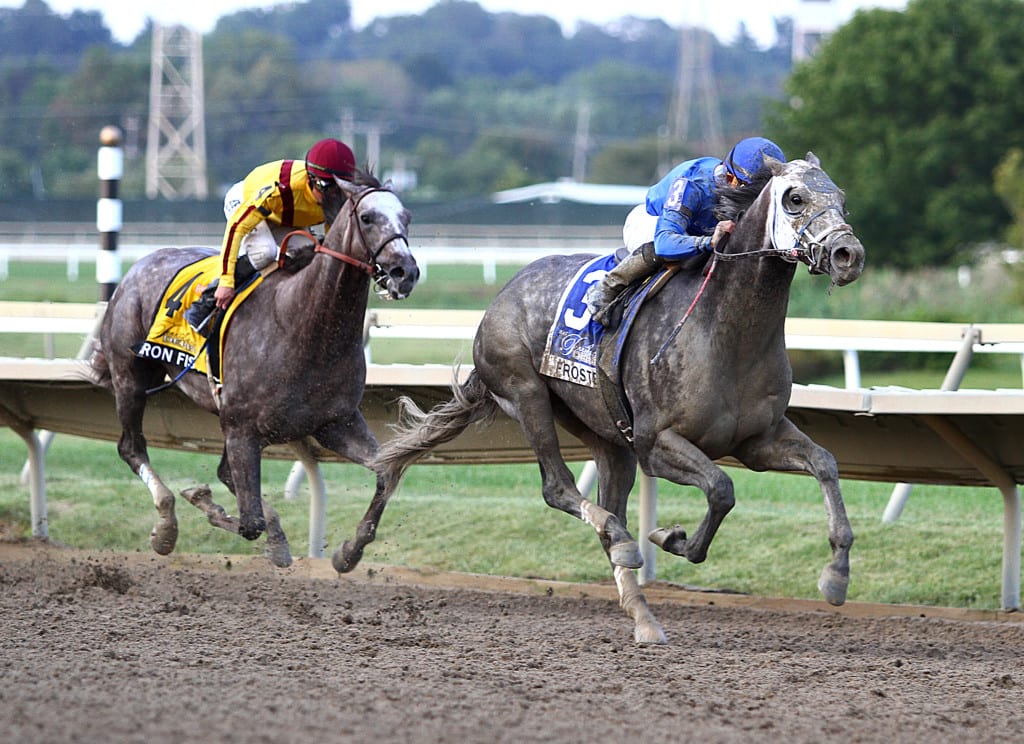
243,221
672,240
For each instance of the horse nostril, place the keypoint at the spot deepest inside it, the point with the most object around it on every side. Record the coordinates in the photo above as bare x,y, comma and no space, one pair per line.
397,273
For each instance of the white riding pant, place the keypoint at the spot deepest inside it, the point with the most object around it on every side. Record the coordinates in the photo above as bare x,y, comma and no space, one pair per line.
638,228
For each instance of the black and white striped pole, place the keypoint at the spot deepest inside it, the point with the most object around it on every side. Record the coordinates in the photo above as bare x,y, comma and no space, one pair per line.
110,167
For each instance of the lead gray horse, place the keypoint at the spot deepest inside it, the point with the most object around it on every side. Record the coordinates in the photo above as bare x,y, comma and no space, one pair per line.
714,386
294,362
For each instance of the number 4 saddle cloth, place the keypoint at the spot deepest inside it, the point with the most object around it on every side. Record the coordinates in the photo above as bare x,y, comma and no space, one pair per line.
172,340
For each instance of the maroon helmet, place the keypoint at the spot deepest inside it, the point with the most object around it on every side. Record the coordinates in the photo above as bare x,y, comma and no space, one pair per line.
329,158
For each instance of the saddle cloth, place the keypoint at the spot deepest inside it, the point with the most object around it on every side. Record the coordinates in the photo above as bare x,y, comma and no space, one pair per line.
574,344
570,352
171,340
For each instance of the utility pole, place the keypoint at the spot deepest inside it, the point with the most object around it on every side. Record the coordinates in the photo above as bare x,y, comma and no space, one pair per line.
176,141
581,142
696,94
373,131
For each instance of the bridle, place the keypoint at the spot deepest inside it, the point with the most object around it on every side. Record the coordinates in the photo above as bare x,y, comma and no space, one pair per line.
371,267
807,247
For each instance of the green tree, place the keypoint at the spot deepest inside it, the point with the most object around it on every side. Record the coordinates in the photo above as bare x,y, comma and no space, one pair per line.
910,112
1009,184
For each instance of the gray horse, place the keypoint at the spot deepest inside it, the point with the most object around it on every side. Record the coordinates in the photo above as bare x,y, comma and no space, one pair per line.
294,362
716,385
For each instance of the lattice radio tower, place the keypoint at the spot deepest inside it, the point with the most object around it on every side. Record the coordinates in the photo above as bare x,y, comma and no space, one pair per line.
696,95
176,143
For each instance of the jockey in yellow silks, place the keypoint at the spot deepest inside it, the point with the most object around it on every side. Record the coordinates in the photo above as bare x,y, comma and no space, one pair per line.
286,193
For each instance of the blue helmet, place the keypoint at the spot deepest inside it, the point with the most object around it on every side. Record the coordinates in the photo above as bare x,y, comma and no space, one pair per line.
747,157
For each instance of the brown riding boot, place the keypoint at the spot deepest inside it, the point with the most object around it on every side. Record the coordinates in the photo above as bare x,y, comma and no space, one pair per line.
638,265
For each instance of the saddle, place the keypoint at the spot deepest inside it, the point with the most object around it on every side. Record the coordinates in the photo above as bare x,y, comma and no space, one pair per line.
582,351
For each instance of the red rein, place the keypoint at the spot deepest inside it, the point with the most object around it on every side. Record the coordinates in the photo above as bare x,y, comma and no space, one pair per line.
320,248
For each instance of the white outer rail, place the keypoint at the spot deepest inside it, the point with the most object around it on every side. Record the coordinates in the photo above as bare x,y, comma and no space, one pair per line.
843,335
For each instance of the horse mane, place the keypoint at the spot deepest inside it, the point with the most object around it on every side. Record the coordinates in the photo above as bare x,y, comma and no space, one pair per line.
364,177
731,203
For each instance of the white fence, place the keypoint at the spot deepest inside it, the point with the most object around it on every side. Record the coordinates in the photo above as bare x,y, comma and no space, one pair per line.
75,244
846,336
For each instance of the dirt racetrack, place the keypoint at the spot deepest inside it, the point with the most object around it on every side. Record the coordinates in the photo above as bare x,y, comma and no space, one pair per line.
104,647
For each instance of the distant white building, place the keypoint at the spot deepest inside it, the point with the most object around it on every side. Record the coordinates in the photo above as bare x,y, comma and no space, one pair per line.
813,22
568,190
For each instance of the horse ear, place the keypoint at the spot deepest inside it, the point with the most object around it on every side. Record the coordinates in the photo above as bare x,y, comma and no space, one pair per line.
813,159
774,164
347,186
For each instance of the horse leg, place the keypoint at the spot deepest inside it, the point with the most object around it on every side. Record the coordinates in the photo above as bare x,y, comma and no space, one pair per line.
353,440
675,458
201,497
789,449
616,474
532,407
276,549
131,404
242,452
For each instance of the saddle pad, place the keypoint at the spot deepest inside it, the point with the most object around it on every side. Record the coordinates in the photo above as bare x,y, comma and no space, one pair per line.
570,353
170,339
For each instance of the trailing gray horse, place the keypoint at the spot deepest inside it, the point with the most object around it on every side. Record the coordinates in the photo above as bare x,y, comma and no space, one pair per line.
294,362
716,385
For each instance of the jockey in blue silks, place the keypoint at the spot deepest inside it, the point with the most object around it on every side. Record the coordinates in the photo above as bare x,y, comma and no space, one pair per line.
678,221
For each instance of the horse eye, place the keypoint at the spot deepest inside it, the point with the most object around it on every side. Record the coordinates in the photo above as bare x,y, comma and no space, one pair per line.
793,201
366,219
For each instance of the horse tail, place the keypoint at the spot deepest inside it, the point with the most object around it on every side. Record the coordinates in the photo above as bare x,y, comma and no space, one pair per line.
418,432
99,367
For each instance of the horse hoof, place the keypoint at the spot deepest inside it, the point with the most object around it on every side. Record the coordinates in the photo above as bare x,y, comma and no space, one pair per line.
626,554
670,540
649,634
279,554
163,538
346,558
833,586
196,495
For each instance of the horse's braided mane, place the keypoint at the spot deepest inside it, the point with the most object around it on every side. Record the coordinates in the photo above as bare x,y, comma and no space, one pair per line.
731,203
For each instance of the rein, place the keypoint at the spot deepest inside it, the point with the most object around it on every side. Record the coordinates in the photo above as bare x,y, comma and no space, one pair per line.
689,310
370,268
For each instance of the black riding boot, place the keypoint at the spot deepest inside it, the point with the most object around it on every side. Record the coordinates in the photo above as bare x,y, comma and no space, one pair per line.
199,313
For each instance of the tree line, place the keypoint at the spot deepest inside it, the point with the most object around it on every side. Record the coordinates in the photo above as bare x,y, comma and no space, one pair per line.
915,113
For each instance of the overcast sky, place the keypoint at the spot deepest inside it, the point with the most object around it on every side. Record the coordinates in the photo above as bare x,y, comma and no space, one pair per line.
126,18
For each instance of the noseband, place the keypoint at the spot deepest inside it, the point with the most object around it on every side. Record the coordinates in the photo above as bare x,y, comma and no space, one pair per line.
807,247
